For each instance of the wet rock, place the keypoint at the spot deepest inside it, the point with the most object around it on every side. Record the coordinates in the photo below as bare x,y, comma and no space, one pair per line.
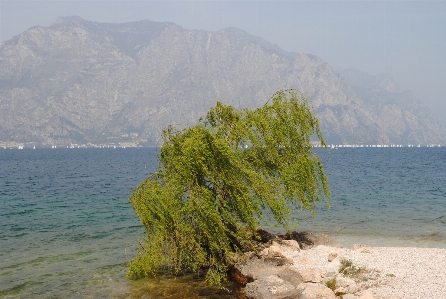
303,238
324,240
309,240
264,235
238,276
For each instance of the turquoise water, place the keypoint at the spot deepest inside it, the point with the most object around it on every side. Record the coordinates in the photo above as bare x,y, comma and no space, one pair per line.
385,197
67,229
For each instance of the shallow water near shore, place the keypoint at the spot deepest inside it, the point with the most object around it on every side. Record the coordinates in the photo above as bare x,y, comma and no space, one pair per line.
67,229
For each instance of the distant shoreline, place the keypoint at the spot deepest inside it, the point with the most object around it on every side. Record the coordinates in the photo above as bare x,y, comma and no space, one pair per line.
16,145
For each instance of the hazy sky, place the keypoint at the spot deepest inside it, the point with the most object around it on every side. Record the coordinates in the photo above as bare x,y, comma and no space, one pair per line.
406,39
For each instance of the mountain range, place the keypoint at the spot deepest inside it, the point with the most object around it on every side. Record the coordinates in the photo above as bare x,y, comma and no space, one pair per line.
79,82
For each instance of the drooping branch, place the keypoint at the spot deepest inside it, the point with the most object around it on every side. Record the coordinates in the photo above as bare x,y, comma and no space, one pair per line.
217,179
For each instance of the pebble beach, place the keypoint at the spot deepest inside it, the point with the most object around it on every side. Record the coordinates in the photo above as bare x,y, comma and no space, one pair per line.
407,272
384,272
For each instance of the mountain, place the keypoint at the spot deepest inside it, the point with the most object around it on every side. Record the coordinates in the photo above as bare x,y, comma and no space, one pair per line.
397,110
78,81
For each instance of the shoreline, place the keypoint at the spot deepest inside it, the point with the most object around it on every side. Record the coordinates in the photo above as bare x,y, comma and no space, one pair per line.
408,241
389,272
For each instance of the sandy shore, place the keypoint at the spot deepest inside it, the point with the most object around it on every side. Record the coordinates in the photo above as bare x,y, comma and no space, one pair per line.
395,272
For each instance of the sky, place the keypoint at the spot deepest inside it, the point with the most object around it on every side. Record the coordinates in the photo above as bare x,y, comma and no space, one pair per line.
406,39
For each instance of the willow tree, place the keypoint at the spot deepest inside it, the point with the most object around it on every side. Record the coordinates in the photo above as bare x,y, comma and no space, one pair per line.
217,180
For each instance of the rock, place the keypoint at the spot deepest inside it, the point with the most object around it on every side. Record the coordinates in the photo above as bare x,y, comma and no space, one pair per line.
272,252
346,283
238,276
362,248
332,256
300,237
278,248
259,267
310,275
239,258
271,287
274,255
324,240
298,276
309,240
340,291
315,291
264,235
366,295
277,261
291,276
291,244
348,296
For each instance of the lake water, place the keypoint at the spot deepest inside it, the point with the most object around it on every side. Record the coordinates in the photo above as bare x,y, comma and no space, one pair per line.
67,229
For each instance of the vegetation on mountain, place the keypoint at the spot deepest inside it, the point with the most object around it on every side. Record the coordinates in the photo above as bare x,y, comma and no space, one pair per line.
219,179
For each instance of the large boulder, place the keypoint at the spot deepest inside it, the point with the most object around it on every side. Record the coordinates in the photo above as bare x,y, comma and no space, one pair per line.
297,276
272,260
271,287
323,240
308,240
256,268
279,270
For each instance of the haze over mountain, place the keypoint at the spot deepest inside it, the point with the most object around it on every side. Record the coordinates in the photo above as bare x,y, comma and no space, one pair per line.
78,81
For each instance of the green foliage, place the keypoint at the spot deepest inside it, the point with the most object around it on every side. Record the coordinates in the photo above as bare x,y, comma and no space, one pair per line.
347,268
331,284
217,180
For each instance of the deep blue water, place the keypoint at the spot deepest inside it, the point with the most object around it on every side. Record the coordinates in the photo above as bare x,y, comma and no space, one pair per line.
67,229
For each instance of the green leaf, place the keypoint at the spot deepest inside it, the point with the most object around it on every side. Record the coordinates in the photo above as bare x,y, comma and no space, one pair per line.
217,180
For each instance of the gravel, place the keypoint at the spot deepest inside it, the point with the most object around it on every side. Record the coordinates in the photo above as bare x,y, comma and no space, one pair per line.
391,272
407,272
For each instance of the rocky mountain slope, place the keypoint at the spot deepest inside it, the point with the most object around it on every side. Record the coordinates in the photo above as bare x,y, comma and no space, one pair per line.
78,81
400,112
